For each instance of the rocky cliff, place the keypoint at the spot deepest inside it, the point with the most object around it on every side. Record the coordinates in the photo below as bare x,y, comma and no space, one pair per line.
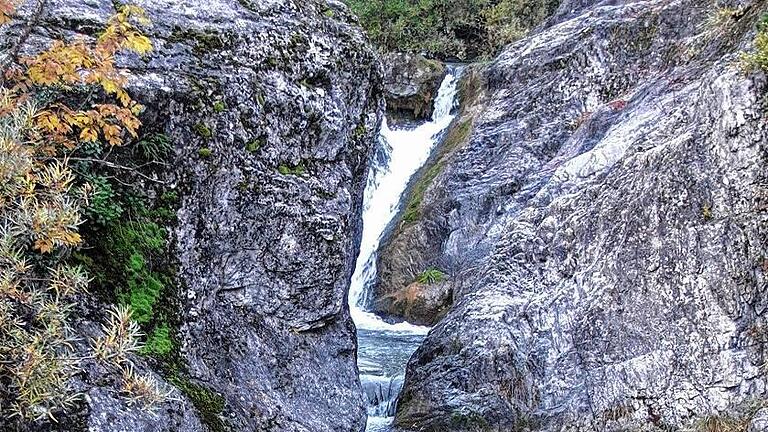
603,222
272,108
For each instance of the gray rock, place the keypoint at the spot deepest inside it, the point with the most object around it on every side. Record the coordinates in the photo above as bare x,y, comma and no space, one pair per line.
759,421
411,82
608,214
269,224
415,244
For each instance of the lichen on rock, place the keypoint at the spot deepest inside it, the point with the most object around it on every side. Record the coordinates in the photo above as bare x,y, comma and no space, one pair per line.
606,212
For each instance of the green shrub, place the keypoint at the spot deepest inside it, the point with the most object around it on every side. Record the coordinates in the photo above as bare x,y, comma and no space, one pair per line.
449,29
297,170
457,136
758,59
159,342
203,130
431,276
155,147
103,206
205,152
209,403
253,146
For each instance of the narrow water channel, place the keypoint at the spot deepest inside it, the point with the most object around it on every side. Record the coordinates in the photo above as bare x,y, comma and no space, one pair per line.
384,348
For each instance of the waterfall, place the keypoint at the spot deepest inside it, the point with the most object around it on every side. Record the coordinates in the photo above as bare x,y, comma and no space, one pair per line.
384,348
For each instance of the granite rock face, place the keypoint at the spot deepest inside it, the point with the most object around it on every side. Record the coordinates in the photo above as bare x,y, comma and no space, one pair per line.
606,226
411,82
274,108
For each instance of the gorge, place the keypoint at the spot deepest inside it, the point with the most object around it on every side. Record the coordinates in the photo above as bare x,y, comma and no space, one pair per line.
567,231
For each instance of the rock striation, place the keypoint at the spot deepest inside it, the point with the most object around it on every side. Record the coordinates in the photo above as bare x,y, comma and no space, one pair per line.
604,222
274,108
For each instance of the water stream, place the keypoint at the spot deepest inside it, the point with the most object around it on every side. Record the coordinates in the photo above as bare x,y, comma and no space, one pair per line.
384,348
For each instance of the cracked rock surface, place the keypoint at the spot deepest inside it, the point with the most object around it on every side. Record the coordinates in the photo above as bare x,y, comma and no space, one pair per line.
605,226
274,108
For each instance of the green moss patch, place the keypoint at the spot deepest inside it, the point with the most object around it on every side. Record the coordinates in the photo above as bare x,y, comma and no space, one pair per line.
457,136
297,170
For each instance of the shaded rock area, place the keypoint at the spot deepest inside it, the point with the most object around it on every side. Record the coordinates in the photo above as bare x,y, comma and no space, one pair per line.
274,108
604,225
411,82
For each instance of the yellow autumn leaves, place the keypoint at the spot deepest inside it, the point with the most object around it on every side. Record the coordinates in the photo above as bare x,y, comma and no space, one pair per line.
51,104
63,67
78,63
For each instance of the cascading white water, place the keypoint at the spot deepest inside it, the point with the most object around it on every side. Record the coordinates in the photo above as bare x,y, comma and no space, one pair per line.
384,348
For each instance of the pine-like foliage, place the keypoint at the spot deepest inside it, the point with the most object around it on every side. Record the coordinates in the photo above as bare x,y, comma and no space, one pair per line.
41,208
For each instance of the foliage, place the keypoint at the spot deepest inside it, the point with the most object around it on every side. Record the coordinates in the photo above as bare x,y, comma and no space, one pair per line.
298,170
127,265
431,276
449,29
154,147
43,119
207,402
758,59
143,390
203,130
457,136
120,336
159,342
103,208
253,146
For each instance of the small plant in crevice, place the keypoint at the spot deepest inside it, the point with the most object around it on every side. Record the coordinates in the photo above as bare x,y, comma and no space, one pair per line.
205,152
298,170
202,130
720,424
219,107
724,17
431,276
253,146
758,58
121,336
143,390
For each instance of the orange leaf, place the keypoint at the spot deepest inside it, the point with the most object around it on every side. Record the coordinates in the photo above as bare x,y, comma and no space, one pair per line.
44,245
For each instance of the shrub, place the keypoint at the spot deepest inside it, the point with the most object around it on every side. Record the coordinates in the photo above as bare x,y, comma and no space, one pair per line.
298,170
159,342
449,29
431,276
203,130
103,207
758,59
42,206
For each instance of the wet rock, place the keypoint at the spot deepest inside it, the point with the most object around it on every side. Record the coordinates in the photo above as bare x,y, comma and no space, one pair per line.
411,82
412,247
273,108
417,303
607,211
